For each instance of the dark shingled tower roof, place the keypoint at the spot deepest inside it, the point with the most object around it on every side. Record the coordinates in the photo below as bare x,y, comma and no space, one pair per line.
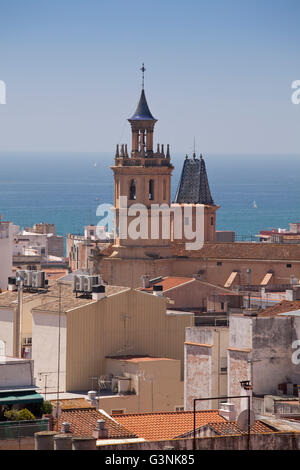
142,112
193,187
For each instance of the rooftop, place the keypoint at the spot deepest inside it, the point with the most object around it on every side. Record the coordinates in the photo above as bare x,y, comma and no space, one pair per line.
49,300
166,425
284,306
167,283
83,423
241,250
231,427
193,187
139,358
51,303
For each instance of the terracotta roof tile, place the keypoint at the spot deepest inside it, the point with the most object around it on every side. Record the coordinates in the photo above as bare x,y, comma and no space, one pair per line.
73,403
231,427
83,422
166,425
168,283
240,250
282,307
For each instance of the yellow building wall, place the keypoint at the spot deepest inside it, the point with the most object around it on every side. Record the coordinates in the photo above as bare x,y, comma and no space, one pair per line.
128,323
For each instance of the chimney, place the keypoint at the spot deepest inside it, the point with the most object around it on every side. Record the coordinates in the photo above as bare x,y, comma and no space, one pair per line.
158,290
92,397
146,281
227,411
100,431
65,428
98,292
292,294
12,284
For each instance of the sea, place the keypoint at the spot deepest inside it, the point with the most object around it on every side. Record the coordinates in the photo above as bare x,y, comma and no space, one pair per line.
254,192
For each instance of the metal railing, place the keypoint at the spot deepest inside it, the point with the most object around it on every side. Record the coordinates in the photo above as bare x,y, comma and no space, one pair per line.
19,429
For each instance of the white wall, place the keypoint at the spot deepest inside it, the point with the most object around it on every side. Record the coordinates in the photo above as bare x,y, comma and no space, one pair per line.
7,329
6,246
16,373
45,334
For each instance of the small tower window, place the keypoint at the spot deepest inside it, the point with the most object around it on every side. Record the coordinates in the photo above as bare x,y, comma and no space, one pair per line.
132,190
151,190
211,221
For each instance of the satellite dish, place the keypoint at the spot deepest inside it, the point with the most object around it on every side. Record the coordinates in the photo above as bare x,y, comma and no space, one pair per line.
243,418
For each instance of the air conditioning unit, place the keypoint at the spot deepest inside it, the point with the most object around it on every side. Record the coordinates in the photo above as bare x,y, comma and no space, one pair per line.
38,279
28,278
86,284
89,282
75,283
78,283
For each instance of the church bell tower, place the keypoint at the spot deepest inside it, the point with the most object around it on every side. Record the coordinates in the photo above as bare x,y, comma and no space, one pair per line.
142,175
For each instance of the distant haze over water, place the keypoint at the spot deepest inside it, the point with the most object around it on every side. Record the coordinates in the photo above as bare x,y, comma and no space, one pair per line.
65,189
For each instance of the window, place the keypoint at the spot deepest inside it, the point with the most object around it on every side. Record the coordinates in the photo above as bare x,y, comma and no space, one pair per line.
151,190
219,263
288,265
165,190
179,408
223,365
222,305
211,221
132,190
117,412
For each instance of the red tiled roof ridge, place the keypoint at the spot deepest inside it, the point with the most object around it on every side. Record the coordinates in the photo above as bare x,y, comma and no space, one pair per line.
155,413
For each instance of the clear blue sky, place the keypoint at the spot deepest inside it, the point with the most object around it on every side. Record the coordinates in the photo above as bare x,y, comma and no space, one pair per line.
219,70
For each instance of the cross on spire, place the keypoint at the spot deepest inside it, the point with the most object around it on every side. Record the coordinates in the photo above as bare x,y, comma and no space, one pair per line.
143,75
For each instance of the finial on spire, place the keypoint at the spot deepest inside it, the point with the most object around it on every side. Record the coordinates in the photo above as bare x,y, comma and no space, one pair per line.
143,74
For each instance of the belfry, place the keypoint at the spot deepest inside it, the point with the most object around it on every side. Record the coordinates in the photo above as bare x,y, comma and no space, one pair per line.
142,176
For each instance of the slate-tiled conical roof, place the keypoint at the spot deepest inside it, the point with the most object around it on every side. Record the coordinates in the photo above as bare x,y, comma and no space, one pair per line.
142,112
193,187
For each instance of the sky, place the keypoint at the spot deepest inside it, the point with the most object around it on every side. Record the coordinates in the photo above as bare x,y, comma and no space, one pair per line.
219,71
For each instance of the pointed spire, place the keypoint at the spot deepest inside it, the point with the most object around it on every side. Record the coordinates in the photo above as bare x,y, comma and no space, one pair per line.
193,187
117,151
168,151
142,112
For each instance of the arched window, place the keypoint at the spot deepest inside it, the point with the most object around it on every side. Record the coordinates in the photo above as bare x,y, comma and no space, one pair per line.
151,190
132,190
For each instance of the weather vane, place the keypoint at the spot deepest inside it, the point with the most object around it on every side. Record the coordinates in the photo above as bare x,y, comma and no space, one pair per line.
143,76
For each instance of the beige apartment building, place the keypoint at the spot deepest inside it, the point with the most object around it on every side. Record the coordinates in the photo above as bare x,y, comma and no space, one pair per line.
124,322
141,384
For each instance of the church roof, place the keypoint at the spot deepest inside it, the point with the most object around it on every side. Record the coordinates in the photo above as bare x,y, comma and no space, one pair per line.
142,112
193,187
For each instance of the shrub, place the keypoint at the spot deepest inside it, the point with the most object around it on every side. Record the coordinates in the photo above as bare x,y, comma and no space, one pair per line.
19,415
25,415
11,415
46,408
